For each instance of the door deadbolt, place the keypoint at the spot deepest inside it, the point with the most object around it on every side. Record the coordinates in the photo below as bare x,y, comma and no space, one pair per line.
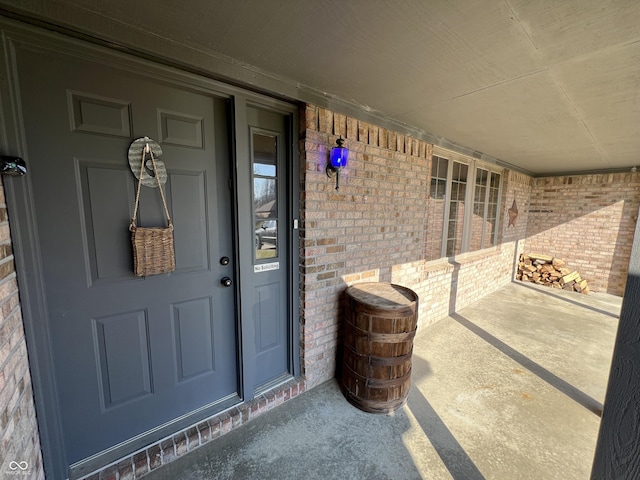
226,282
224,261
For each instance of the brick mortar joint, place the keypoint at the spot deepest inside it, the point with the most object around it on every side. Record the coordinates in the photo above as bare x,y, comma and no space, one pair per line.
8,278
14,311
14,351
26,392
8,258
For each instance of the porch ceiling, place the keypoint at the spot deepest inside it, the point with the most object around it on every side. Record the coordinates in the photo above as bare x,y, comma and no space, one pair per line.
549,87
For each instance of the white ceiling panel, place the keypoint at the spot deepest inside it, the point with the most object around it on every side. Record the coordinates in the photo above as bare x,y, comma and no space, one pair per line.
527,122
547,86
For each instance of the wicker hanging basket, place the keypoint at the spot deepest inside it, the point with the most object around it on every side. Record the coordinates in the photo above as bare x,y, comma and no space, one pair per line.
153,249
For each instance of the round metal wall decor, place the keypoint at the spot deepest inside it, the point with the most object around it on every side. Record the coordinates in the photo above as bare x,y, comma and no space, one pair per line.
135,157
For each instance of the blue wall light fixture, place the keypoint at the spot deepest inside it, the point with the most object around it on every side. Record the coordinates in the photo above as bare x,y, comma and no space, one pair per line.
337,161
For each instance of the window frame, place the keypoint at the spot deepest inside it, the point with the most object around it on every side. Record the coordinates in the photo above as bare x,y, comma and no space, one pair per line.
463,241
486,206
469,201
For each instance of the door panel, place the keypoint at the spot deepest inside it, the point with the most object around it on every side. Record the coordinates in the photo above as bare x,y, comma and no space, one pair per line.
121,343
267,278
105,192
189,210
194,323
267,315
129,354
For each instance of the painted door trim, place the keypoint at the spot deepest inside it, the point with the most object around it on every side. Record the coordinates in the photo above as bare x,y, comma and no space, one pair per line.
24,236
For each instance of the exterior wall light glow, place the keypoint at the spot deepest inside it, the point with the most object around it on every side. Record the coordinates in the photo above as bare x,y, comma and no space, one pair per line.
337,160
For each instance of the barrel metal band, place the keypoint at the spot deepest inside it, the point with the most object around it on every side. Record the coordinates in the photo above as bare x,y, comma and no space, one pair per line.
382,361
383,337
377,383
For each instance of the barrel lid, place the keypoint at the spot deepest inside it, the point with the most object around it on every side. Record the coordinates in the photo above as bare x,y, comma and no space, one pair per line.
386,295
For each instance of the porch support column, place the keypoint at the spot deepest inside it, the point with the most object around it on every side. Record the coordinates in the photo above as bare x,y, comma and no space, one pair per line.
618,448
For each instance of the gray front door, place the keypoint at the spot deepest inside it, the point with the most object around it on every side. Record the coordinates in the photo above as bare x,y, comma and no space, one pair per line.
129,355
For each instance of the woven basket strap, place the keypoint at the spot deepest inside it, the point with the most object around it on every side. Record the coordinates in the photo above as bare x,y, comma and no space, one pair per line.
132,226
146,148
164,201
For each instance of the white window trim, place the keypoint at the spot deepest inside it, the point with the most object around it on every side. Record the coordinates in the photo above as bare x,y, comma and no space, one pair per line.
473,165
485,213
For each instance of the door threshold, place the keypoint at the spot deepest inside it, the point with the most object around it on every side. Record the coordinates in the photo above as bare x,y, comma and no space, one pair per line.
271,384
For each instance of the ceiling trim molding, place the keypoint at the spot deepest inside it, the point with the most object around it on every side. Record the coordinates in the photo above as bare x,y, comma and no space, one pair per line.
582,173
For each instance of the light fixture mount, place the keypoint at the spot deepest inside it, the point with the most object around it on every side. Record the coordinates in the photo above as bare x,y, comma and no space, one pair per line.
338,159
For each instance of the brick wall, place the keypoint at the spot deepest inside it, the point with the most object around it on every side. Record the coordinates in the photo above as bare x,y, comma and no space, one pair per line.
375,221
375,229
19,441
446,286
516,193
435,223
589,221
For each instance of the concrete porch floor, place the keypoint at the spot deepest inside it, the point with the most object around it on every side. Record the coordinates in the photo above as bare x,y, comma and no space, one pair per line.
511,387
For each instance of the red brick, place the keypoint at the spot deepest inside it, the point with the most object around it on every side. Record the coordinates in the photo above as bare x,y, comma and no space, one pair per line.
593,210
226,423
311,118
168,449
154,454
215,425
109,473
141,464
204,429
193,438
181,443
125,469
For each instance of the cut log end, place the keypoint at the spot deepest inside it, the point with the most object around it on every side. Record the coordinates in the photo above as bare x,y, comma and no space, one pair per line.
550,271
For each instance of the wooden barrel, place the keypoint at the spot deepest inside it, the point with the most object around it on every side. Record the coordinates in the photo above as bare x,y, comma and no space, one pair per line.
380,324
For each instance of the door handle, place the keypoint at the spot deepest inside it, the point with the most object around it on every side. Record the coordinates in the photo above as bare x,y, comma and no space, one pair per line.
226,282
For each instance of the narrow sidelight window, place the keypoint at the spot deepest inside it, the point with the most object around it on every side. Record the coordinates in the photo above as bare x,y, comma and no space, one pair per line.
435,207
265,195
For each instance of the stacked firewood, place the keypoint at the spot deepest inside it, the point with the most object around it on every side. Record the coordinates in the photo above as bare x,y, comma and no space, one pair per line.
551,272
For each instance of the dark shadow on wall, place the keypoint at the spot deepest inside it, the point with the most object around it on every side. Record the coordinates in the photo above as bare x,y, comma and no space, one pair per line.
622,251
555,204
453,290
516,258
343,301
